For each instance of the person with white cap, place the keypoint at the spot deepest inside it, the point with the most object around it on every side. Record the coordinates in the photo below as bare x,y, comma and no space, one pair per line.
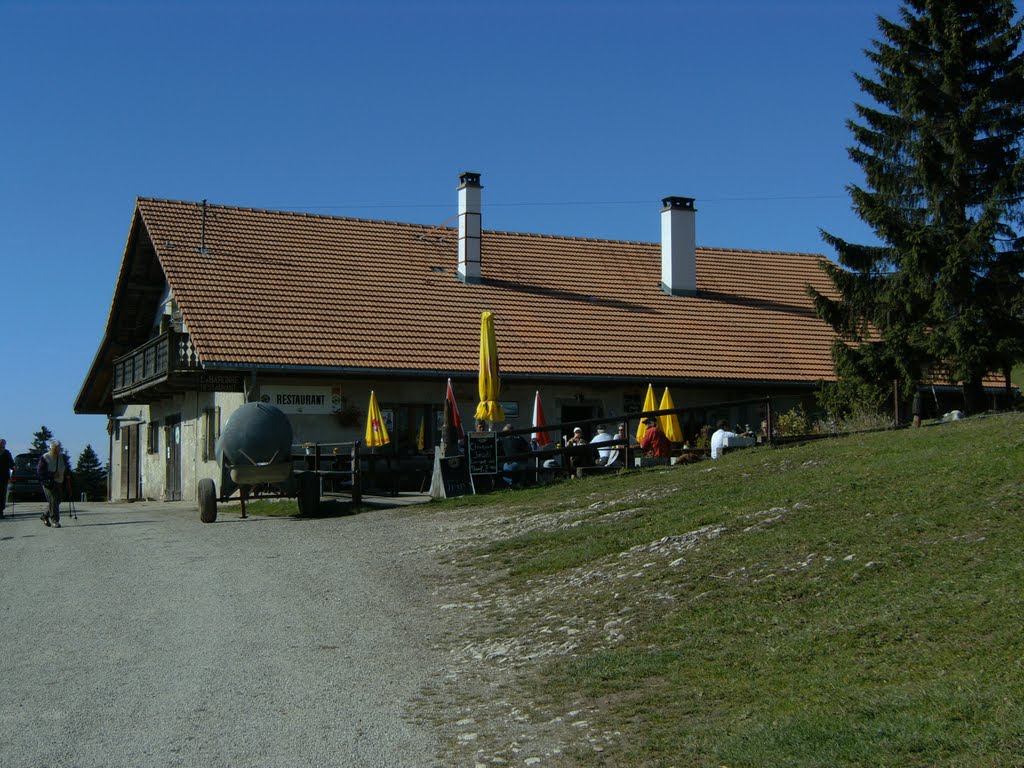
577,437
577,459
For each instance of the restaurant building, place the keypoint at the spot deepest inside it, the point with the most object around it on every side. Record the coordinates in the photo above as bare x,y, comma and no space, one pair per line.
216,305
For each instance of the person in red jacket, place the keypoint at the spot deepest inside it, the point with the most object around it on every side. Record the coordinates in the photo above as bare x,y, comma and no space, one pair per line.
654,441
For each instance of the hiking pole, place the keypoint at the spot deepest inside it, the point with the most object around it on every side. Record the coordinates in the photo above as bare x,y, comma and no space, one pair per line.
71,502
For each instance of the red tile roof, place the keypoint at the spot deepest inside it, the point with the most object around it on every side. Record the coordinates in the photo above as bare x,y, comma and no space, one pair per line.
290,289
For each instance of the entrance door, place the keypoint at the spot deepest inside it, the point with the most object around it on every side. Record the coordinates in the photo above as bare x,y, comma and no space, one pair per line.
130,474
126,458
573,413
172,456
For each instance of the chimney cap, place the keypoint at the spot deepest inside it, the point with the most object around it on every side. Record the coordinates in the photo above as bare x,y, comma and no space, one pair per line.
469,179
678,203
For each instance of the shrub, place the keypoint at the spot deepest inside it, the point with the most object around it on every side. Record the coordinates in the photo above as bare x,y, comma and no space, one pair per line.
793,422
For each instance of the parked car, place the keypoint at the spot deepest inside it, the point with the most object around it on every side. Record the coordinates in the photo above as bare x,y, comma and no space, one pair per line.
24,485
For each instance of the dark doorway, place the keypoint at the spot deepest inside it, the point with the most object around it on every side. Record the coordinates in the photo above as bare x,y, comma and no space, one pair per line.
574,413
172,451
130,490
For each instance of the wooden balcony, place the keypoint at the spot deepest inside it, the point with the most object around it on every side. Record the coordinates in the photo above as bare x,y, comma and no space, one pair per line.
166,363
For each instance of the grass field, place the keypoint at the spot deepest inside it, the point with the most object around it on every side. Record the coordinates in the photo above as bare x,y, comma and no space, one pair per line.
847,602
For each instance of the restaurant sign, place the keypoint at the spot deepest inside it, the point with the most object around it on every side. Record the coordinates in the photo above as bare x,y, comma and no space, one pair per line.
221,382
292,399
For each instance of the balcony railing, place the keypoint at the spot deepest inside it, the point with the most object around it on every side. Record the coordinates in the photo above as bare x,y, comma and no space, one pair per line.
154,362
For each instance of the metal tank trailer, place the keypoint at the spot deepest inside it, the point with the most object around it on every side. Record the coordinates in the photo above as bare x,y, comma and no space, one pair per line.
254,448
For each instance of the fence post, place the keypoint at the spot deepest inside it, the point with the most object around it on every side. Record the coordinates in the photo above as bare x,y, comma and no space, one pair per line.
627,449
357,476
896,402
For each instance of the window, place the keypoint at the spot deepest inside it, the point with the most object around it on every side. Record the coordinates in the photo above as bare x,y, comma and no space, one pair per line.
153,437
211,420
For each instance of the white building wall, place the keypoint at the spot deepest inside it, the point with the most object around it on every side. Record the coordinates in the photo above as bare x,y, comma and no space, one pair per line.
190,407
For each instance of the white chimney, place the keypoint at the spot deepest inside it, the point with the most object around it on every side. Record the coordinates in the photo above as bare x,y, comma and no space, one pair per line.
469,227
678,246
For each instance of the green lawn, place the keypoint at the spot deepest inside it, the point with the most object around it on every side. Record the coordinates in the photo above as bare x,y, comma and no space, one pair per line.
848,602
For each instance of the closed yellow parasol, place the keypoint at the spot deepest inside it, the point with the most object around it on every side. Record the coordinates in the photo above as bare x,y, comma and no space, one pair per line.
376,432
490,384
670,422
649,405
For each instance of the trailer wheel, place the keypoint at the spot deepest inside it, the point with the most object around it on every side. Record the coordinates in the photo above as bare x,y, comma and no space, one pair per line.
207,501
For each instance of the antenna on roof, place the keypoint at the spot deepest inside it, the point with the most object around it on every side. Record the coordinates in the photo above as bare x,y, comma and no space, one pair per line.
432,230
202,232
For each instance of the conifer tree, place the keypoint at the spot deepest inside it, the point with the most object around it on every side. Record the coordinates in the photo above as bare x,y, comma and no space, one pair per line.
41,440
90,476
940,145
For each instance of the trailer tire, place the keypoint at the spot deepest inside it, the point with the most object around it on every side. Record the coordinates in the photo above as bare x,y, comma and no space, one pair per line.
207,501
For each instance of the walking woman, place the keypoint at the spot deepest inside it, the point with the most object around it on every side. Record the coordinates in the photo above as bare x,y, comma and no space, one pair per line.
53,472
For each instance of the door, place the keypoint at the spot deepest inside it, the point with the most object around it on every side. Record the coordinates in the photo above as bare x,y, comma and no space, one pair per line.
126,459
575,413
172,458
130,469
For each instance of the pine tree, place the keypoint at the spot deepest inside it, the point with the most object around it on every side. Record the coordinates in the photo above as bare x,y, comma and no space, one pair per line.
941,152
41,440
90,476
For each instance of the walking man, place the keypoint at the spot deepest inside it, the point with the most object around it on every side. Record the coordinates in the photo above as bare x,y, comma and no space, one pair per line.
53,472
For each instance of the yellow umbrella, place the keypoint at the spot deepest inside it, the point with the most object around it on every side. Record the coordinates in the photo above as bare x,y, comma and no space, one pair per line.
649,405
421,438
670,422
376,432
490,384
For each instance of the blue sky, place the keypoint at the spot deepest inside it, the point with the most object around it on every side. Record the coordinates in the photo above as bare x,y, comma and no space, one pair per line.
580,116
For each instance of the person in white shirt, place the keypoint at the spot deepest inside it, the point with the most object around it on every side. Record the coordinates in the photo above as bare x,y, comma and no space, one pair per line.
602,436
718,439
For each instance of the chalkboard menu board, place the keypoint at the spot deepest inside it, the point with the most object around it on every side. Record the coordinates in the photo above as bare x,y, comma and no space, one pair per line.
455,476
483,453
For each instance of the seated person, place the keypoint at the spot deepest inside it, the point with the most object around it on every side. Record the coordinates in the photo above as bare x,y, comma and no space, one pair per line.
554,462
576,439
654,441
578,459
549,459
718,439
601,437
616,454
511,445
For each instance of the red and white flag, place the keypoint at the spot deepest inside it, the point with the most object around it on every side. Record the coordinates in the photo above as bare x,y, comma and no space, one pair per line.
539,435
456,419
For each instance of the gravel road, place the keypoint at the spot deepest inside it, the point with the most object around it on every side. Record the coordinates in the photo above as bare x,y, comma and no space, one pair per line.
137,636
